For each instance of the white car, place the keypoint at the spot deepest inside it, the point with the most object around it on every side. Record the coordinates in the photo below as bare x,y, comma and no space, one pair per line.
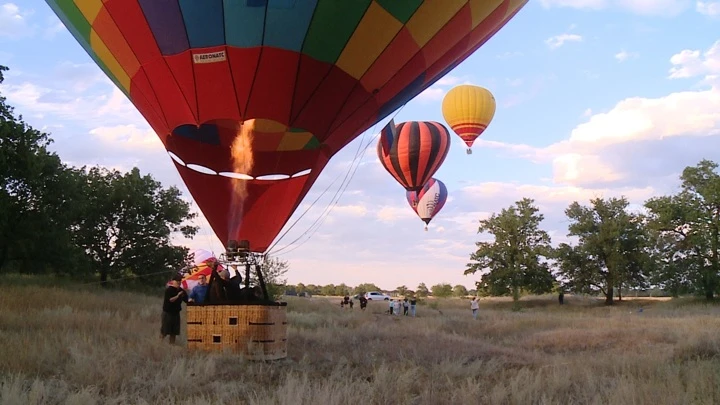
377,296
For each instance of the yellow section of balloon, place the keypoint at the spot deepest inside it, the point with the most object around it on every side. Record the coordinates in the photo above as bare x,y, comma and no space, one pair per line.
468,110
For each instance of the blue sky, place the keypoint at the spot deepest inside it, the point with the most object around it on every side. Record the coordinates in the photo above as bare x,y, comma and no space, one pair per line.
595,98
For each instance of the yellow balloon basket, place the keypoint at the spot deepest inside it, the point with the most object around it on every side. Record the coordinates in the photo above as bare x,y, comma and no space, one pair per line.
257,332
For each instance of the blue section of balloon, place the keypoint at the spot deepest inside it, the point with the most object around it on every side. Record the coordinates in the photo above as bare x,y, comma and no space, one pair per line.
206,133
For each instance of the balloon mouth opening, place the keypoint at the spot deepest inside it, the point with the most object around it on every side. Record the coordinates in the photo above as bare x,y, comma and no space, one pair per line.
235,175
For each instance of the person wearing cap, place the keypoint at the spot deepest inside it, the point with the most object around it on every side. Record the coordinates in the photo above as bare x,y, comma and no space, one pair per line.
172,305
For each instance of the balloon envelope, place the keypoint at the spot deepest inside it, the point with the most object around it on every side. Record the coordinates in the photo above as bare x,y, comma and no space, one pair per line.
468,111
413,152
429,200
301,78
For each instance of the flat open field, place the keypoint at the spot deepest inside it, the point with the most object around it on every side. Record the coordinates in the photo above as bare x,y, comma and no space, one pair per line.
72,346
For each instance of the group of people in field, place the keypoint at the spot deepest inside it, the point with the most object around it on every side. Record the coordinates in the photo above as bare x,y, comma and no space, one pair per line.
398,306
405,306
347,302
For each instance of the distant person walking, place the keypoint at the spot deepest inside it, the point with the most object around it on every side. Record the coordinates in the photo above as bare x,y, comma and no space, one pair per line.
398,307
561,297
475,306
363,302
172,305
392,304
406,306
413,302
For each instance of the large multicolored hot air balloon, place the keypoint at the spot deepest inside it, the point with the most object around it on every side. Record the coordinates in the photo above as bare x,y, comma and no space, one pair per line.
413,151
429,200
252,97
468,110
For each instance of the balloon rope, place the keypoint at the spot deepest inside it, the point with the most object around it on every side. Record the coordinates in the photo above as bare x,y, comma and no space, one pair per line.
304,212
333,204
357,153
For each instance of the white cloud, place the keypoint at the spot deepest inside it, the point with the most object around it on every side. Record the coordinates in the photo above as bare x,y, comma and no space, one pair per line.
559,40
622,56
437,91
691,63
128,137
639,137
53,26
432,93
353,210
14,22
709,8
395,213
642,7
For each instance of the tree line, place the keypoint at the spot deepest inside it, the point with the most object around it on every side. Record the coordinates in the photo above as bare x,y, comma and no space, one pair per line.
671,243
441,290
90,223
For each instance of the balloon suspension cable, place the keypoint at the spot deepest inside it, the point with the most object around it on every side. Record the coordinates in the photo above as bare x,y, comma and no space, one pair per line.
359,155
313,203
303,214
334,198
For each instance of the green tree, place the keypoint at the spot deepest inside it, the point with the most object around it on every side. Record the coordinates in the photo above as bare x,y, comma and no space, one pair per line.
460,291
274,272
38,196
366,287
612,249
514,260
422,290
442,290
674,264
402,290
128,223
342,289
690,220
327,290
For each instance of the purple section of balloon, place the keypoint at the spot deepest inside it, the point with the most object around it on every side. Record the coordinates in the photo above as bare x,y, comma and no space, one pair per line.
167,25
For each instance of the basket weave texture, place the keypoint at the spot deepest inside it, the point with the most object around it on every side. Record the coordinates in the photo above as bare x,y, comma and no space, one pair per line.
258,332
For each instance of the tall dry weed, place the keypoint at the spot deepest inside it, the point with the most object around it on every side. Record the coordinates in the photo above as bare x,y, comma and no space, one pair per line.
70,346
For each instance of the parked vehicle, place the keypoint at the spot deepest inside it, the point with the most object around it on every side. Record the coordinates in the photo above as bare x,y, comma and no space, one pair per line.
376,296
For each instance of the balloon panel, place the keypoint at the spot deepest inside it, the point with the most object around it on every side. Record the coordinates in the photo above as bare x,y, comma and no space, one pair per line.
201,255
323,70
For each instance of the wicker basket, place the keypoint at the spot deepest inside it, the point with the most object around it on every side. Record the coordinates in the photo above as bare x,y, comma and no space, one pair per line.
258,332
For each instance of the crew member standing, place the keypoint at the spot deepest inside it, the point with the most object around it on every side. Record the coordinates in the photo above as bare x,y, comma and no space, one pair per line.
172,305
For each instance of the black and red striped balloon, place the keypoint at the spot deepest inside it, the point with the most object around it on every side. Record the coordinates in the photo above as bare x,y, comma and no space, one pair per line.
413,152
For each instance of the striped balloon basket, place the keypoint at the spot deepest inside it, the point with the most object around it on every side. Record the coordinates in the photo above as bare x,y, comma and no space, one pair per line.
258,332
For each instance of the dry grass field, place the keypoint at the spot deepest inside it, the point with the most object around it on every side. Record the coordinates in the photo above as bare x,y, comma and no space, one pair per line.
76,346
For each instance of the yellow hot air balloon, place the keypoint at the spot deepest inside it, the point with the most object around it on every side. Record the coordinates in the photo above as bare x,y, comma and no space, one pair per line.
468,110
